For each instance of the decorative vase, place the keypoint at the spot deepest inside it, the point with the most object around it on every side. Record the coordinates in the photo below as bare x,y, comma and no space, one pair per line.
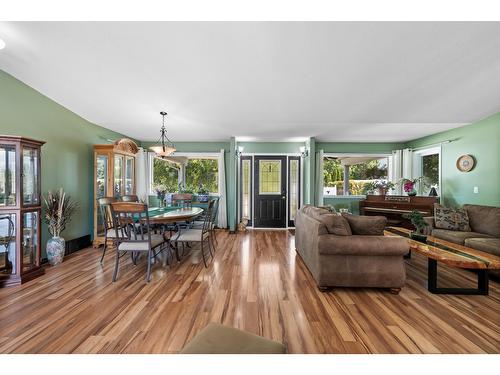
55,250
202,198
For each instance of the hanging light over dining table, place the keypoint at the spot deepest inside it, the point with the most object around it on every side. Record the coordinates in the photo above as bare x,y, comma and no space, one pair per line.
164,146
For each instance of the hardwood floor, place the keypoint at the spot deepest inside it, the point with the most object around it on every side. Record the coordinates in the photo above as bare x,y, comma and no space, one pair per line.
258,283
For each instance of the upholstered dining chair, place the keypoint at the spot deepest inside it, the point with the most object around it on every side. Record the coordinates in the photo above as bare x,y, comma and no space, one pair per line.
130,198
198,223
131,221
200,235
109,231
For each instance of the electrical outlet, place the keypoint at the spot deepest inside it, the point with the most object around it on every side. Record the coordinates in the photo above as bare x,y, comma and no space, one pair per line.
476,189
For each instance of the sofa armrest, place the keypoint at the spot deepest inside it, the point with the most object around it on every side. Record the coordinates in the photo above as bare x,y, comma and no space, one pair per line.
330,244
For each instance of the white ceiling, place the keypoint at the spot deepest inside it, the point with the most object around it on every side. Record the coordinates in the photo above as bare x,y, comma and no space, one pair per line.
337,81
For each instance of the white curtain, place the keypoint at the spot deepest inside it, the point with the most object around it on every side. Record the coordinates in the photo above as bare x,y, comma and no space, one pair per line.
222,214
142,180
407,163
395,168
319,178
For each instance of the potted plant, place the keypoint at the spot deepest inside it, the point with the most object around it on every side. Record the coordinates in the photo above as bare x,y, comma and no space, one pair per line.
383,186
160,191
409,186
369,187
203,194
59,208
419,223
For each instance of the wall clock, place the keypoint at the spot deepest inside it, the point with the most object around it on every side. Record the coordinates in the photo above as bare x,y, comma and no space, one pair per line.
465,163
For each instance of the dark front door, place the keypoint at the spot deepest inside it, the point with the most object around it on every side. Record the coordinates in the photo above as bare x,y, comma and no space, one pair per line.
270,191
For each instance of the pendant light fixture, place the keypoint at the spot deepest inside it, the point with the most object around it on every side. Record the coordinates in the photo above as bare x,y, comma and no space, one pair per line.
165,146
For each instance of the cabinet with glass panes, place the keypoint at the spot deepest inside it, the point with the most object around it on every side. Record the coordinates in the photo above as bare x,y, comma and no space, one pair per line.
20,209
114,176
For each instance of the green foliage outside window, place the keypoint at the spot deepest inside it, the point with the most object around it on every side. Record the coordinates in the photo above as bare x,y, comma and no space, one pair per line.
430,168
202,173
359,175
165,174
201,176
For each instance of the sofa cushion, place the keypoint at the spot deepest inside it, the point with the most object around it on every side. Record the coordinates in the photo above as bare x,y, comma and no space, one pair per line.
363,245
451,218
484,219
366,225
490,245
455,236
336,224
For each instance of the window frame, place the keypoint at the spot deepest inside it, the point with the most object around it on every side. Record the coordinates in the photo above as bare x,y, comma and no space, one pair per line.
417,164
387,155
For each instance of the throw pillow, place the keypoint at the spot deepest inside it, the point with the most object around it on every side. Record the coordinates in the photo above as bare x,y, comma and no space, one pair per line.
336,224
366,225
451,218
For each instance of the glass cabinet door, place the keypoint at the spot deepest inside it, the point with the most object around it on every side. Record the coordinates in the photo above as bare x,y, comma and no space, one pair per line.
101,176
7,175
129,176
8,243
30,176
118,178
101,188
30,240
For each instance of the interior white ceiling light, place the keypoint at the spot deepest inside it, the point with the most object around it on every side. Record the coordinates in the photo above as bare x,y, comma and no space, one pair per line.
166,147
2,44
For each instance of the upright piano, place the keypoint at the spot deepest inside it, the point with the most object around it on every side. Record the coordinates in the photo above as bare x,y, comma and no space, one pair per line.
394,206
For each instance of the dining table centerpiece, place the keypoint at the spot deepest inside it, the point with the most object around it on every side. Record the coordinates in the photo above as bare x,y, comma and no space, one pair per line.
160,191
59,209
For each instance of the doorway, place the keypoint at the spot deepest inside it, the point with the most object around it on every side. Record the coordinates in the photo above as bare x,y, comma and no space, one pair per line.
269,190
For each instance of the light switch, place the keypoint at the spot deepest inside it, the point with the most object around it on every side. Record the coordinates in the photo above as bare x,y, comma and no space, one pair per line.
476,189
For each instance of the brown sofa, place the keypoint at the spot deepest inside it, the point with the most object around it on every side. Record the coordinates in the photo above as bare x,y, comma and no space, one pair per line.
484,222
351,259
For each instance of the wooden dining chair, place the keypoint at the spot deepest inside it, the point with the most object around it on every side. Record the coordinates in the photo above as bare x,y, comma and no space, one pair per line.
182,200
130,198
109,231
131,221
200,235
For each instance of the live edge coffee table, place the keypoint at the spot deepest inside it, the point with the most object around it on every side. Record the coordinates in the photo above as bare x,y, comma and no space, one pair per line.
453,255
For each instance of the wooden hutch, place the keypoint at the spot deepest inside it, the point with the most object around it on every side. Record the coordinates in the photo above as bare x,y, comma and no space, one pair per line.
20,209
394,206
114,176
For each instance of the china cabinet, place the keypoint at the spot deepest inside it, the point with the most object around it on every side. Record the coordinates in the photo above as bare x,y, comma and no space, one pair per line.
20,209
114,176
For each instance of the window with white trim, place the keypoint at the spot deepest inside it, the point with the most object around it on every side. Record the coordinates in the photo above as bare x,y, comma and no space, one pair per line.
190,172
426,163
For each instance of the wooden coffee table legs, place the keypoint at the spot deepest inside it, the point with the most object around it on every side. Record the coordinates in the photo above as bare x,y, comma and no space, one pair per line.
482,282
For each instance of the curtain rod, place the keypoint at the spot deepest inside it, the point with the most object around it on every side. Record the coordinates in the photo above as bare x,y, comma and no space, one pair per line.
435,144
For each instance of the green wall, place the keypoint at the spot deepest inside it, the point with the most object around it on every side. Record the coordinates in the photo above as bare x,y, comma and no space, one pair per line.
481,140
67,157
